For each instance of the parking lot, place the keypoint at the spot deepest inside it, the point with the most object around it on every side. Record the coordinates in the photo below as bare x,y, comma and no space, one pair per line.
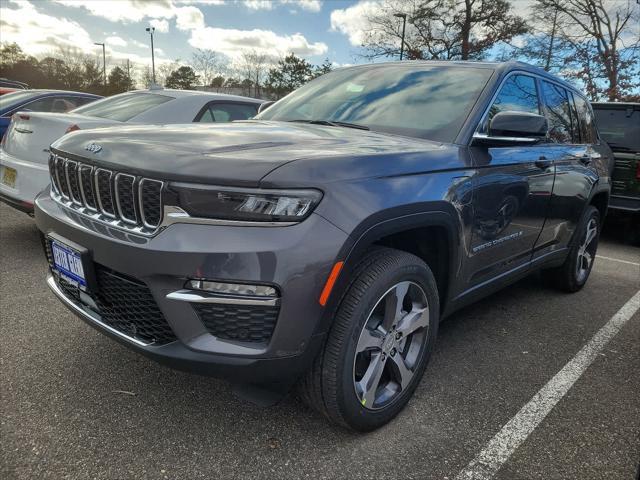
75,404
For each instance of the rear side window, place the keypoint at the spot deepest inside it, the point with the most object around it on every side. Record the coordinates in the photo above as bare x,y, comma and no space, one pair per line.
518,94
558,112
620,128
227,112
123,107
588,133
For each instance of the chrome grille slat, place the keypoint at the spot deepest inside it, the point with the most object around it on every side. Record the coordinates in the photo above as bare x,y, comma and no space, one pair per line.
71,171
125,197
85,173
118,199
150,208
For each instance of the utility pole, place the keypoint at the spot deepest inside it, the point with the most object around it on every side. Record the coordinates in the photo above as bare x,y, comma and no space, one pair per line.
104,65
153,61
403,16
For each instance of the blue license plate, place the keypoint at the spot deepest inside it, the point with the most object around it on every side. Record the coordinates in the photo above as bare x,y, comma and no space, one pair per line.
68,263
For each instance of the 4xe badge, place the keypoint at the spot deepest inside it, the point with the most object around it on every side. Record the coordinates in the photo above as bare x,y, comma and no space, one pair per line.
92,147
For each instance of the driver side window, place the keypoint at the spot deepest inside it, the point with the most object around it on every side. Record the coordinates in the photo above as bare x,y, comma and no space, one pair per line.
518,94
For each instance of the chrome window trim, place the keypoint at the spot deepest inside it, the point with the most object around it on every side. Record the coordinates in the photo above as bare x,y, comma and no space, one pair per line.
498,138
196,296
82,192
133,221
98,199
140,202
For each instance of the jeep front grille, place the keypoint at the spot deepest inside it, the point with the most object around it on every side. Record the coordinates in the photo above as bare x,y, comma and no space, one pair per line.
121,199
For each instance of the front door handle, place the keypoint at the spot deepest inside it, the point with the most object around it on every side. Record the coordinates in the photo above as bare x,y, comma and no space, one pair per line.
543,163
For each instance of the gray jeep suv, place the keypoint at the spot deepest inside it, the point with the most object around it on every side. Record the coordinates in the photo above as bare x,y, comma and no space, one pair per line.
321,243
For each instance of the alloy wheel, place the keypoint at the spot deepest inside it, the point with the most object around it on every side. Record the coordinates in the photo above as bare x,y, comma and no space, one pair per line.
390,345
587,251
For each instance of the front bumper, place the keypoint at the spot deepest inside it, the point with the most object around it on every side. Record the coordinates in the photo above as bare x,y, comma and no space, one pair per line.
296,259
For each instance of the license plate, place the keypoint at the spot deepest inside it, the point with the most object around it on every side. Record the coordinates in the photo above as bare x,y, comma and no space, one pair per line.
9,176
67,261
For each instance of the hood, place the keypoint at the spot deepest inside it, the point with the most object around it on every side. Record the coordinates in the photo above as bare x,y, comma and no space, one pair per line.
238,153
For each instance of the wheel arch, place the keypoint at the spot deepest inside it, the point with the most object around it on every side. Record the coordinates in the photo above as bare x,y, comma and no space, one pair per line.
439,227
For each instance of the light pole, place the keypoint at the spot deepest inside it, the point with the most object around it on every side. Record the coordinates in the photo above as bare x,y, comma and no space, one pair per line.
104,64
403,16
153,61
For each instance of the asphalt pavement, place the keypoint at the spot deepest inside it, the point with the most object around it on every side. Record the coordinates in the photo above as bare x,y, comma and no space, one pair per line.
74,404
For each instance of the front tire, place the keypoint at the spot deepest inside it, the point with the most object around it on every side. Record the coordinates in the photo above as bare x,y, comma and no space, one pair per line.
383,334
573,274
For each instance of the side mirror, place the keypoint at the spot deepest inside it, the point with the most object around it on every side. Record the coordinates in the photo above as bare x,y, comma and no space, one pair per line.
515,127
265,105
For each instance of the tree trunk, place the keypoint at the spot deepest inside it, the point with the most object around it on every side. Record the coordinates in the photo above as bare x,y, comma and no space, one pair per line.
465,31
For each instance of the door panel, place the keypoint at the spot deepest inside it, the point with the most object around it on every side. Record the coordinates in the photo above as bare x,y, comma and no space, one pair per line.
511,193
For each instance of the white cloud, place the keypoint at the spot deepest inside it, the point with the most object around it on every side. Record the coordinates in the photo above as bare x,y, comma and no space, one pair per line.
258,4
309,5
234,42
38,33
117,41
189,18
352,21
160,24
124,10
139,44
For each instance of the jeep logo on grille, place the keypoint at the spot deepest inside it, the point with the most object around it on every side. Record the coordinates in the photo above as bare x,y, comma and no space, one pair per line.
92,147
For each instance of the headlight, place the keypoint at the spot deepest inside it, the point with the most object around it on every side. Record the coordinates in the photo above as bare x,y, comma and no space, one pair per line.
244,204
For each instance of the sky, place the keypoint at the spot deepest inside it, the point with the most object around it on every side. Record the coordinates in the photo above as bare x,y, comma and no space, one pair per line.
313,29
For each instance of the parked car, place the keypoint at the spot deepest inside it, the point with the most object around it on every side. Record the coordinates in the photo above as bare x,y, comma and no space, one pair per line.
15,84
25,150
59,101
619,125
322,242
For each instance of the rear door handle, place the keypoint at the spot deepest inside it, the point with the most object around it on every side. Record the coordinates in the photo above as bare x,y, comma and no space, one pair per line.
543,163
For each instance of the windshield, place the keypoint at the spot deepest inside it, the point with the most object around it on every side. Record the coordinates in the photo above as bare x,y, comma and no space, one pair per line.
123,107
16,98
620,128
415,100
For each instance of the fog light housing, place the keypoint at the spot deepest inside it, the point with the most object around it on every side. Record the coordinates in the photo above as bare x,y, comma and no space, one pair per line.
241,289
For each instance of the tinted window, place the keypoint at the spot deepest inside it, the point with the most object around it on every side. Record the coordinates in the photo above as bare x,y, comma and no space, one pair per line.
558,112
575,123
228,112
123,107
620,128
518,94
50,104
414,100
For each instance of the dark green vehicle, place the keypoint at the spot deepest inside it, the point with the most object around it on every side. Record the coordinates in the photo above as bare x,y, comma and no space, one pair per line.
619,126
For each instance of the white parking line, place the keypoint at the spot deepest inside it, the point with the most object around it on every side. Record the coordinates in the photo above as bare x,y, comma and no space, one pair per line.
487,463
618,260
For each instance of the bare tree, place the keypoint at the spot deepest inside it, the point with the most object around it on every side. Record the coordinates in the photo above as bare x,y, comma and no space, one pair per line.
611,29
253,68
163,70
441,29
209,64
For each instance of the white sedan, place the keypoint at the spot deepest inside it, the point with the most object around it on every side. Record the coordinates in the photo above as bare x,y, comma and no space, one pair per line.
24,151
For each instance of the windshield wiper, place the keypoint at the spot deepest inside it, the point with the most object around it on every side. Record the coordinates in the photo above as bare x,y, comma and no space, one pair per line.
332,123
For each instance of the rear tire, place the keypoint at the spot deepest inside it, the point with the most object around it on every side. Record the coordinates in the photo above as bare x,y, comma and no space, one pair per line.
573,274
380,342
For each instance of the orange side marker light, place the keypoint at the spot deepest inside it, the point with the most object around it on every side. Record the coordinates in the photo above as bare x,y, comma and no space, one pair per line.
333,276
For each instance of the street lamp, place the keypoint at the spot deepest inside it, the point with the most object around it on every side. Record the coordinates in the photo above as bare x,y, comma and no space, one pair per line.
104,64
153,61
403,16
